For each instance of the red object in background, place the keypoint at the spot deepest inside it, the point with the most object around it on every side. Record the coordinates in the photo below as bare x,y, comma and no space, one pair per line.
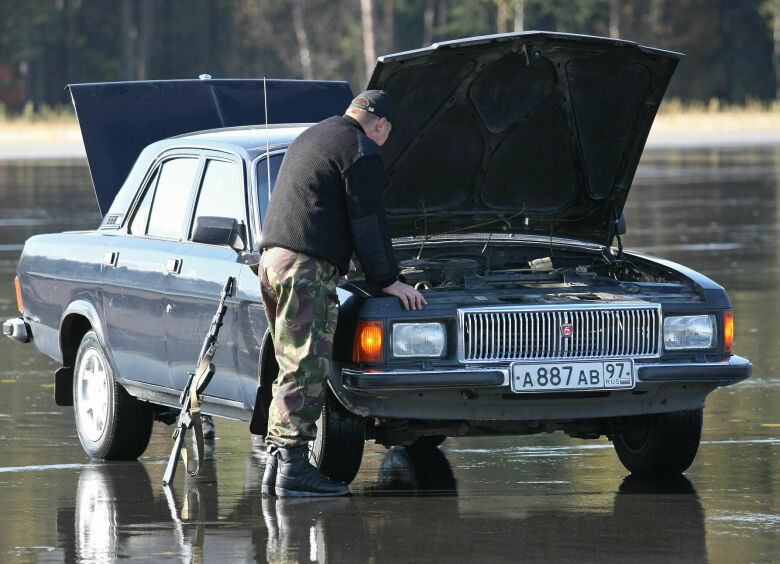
11,87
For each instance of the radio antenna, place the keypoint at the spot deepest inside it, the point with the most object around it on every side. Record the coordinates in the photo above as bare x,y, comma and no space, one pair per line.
267,155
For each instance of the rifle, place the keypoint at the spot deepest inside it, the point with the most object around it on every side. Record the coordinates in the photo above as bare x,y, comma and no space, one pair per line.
190,398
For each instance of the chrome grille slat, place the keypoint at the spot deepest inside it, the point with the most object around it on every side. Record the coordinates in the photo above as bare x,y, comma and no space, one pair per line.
528,333
611,333
512,335
492,350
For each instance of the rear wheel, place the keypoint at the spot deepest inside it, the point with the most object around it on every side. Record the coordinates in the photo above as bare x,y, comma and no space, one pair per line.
338,449
111,424
660,444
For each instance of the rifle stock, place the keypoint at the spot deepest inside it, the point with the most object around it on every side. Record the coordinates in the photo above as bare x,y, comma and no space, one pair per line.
173,461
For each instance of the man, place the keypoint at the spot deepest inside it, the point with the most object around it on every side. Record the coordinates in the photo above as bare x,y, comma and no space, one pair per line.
327,203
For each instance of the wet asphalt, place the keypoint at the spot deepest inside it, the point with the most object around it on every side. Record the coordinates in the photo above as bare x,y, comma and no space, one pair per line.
543,498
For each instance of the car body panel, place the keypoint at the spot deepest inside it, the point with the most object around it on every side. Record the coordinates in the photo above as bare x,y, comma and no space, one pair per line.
191,297
55,271
134,303
252,335
539,132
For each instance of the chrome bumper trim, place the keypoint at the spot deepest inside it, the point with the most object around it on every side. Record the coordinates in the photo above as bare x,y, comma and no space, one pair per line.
418,379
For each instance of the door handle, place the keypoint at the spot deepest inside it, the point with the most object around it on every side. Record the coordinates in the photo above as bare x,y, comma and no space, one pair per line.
174,265
111,258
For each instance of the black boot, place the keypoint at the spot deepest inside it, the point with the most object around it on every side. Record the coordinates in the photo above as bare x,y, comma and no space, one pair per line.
295,477
269,476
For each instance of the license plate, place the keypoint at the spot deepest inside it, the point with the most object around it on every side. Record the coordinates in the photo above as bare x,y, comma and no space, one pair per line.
584,375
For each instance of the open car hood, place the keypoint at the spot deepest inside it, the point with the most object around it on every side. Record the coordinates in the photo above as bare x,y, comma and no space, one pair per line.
527,132
119,119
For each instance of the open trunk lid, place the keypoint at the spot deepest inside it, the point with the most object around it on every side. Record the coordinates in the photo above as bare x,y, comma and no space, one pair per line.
119,119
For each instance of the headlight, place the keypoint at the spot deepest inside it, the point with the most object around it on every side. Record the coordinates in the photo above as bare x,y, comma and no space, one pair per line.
689,332
419,339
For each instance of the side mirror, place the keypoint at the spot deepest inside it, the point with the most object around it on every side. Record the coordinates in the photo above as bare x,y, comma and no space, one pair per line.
219,231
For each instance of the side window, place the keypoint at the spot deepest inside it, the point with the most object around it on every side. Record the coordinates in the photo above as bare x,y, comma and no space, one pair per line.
263,193
221,191
141,217
169,208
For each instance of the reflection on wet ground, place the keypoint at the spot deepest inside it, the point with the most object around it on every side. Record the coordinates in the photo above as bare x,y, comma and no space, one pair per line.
409,511
539,498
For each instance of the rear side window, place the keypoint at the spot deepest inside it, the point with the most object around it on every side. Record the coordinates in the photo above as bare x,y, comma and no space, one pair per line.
141,217
222,191
169,206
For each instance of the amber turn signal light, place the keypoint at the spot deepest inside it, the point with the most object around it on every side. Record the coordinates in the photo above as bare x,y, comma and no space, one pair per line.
368,341
18,295
728,331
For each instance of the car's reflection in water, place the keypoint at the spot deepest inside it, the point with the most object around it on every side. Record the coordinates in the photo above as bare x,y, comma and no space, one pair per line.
413,512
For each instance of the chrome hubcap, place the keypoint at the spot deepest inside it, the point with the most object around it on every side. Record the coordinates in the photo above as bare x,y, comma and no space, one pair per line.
92,391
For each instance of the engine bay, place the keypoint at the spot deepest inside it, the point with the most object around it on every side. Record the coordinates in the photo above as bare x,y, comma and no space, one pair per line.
468,266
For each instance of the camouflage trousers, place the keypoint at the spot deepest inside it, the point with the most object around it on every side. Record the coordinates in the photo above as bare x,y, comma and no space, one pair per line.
299,296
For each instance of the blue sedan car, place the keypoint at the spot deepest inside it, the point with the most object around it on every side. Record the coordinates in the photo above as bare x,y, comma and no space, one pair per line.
505,183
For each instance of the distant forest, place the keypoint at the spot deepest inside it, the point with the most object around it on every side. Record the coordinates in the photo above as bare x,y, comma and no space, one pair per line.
731,46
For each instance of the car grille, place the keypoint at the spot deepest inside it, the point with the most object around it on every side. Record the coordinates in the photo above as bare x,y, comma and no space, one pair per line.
531,333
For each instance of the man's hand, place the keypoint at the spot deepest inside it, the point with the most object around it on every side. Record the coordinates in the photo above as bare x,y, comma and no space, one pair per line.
410,298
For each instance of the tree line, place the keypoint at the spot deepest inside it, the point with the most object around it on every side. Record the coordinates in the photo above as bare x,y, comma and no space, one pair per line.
732,47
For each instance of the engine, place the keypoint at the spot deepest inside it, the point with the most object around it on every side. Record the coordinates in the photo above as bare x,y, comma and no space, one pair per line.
425,273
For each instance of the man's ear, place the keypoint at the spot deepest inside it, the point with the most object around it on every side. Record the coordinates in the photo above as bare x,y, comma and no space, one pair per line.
381,124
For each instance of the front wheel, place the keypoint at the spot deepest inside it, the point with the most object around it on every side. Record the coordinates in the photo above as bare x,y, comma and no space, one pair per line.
424,442
660,444
111,424
338,449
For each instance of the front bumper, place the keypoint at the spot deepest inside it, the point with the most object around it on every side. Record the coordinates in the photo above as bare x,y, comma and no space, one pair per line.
17,329
730,371
484,393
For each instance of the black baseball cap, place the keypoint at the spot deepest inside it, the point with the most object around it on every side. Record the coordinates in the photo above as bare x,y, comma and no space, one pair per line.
380,103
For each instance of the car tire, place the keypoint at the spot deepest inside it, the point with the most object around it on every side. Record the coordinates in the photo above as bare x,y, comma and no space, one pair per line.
660,444
428,442
111,424
338,449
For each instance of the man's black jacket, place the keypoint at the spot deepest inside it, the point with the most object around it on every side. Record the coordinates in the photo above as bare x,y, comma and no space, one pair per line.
327,201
